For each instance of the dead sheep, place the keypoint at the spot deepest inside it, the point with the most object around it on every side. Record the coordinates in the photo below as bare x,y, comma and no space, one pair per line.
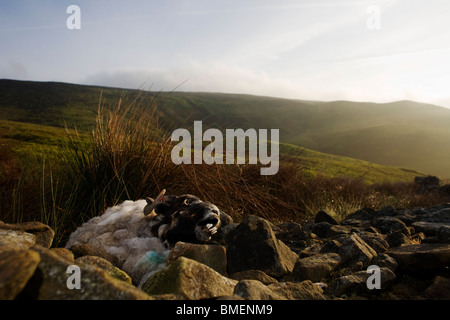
141,233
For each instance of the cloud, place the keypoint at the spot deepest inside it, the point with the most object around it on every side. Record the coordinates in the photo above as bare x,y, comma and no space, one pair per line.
13,70
358,80
197,77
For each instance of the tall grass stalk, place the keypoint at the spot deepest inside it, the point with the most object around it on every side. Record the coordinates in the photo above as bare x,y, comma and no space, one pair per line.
127,156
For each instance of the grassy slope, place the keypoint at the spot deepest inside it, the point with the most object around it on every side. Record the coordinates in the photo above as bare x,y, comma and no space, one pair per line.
404,134
316,163
36,140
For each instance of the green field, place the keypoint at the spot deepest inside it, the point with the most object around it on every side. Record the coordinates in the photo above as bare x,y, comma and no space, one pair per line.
36,141
64,160
404,134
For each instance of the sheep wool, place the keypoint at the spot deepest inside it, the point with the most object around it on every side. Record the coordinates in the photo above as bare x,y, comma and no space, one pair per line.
123,232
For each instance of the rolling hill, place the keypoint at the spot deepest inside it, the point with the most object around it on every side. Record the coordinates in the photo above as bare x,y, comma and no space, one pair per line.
402,134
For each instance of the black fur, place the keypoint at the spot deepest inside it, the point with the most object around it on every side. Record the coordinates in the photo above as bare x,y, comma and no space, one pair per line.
188,219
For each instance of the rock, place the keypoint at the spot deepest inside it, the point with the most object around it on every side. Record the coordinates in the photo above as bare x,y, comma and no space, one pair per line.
305,290
357,283
17,266
290,230
253,245
427,184
233,298
362,214
388,225
332,246
354,249
322,216
316,267
50,279
16,239
253,275
313,248
189,279
439,289
407,216
375,240
104,265
445,190
443,234
384,260
428,228
388,211
214,256
356,223
397,239
64,253
255,290
43,233
421,258
440,215
321,229
327,230
88,250
220,236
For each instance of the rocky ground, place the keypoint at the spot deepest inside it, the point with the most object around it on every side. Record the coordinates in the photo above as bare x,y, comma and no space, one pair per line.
321,259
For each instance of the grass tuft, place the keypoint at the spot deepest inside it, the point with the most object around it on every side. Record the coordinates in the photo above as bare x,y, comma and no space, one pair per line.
127,155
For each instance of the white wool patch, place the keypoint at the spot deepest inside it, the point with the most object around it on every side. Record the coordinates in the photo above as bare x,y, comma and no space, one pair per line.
123,232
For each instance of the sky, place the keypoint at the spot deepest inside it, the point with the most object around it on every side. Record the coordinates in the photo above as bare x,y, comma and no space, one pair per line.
378,51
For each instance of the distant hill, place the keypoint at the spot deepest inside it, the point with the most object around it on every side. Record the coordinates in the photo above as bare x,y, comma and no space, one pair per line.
404,134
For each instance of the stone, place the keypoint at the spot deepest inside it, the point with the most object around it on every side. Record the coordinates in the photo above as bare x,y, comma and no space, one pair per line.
440,215
362,214
397,239
106,266
50,279
354,249
428,228
189,279
255,290
16,239
356,223
427,184
418,258
305,290
64,253
314,246
443,234
233,298
331,246
445,190
388,225
321,229
88,250
43,233
316,267
253,245
322,216
327,230
253,275
388,211
375,240
384,260
439,289
214,256
357,283
291,231
17,266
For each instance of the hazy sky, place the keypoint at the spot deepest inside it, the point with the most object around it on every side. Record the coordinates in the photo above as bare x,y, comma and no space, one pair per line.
304,49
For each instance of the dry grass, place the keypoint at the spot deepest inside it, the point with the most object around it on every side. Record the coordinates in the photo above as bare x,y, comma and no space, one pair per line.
128,156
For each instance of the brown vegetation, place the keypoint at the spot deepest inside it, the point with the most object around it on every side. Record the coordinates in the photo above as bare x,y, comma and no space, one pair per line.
127,156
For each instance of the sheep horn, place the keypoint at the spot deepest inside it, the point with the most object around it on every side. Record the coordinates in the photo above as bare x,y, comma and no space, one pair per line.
149,209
